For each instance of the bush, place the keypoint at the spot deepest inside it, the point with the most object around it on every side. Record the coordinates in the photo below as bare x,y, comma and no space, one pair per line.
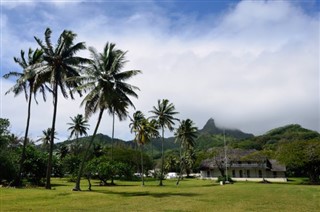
223,179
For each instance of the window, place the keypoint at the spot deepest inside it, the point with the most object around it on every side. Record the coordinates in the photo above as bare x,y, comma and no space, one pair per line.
274,174
248,173
240,174
260,173
233,173
208,173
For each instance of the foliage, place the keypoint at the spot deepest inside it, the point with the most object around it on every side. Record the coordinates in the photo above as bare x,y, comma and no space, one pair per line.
304,155
4,128
71,165
8,154
35,165
104,169
224,179
8,165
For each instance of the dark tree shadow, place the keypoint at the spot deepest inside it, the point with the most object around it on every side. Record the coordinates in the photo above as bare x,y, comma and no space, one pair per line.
147,193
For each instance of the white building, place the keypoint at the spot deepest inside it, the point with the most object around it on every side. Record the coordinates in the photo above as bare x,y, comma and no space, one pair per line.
257,169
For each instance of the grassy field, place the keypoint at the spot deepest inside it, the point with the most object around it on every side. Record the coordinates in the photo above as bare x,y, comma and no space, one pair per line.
191,195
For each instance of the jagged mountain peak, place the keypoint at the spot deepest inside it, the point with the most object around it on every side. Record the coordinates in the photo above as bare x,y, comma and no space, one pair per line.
211,128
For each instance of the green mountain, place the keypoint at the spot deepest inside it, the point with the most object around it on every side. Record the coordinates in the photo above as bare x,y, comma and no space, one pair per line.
271,139
211,136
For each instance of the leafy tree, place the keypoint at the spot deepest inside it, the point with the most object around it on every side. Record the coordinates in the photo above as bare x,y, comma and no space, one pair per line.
25,83
8,155
186,135
35,165
108,89
71,165
164,114
60,65
304,155
4,131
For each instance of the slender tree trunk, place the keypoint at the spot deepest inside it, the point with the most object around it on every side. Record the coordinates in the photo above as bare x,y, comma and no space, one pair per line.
181,166
112,137
162,159
77,186
49,166
142,171
153,166
25,141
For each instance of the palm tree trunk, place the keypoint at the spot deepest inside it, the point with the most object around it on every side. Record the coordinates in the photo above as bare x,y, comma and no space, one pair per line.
162,159
112,137
49,166
142,171
77,186
181,164
153,166
23,154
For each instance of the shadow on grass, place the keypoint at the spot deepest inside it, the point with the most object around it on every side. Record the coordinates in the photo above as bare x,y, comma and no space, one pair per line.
147,193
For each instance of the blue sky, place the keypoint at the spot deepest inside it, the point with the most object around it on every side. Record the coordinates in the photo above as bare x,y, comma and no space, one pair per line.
252,65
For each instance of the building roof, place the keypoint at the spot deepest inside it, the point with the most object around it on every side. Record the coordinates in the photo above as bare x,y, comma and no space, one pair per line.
275,166
238,159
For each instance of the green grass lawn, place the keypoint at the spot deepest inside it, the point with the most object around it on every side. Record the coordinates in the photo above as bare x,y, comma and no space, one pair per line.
190,195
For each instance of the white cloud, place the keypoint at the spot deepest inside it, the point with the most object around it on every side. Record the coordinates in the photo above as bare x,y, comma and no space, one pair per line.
256,69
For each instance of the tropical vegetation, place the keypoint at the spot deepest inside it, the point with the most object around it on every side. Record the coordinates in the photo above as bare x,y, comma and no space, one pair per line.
104,87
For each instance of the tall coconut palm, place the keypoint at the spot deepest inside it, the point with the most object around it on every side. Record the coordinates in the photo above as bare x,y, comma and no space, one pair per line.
25,83
107,88
164,114
60,63
78,126
186,135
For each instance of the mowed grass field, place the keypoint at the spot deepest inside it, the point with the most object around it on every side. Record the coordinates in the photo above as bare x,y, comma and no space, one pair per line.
190,195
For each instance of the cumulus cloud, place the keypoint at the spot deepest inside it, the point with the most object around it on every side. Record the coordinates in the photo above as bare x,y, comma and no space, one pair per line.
255,69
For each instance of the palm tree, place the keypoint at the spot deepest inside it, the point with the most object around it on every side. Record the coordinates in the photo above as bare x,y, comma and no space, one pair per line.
46,137
107,89
164,113
154,127
60,63
25,83
78,127
186,135
139,125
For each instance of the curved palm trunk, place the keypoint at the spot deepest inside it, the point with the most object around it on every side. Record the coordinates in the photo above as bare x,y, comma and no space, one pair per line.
49,166
142,170
162,159
77,186
23,154
112,137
